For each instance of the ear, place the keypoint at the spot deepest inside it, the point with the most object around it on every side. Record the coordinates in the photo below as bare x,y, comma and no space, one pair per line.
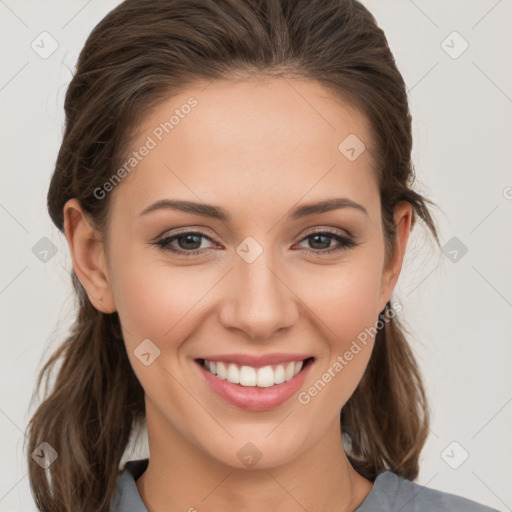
392,268
88,255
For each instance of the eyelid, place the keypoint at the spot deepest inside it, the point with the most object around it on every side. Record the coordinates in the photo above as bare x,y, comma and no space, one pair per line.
203,230
178,234
336,234
337,231
346,242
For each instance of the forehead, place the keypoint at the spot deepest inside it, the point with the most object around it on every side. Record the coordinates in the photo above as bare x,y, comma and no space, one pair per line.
249,144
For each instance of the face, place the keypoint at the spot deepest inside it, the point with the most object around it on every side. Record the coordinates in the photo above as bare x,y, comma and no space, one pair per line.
260,291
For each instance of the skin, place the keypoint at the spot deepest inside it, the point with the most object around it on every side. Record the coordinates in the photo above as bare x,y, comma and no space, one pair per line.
257,148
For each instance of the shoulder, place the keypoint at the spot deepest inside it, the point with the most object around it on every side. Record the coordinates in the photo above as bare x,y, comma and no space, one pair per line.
392,493
127,497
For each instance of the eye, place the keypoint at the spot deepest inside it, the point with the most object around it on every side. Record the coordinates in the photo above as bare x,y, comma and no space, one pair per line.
323,238
189,243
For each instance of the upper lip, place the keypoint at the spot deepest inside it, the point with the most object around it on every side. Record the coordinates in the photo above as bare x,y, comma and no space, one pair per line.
257,361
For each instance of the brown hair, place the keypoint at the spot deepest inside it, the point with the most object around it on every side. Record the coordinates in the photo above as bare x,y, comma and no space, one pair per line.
141,53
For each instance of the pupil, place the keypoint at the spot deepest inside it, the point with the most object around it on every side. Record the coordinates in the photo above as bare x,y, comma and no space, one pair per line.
315,239
197,241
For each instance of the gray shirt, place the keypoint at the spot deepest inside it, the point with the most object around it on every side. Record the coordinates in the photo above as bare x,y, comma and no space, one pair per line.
390,493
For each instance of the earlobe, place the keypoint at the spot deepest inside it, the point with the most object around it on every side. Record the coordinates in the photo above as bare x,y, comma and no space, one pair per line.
88,256
391,271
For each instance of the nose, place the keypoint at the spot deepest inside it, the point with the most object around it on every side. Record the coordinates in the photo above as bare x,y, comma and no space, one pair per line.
260,301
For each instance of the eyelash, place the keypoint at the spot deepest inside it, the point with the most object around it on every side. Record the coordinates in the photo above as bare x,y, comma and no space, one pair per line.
345,243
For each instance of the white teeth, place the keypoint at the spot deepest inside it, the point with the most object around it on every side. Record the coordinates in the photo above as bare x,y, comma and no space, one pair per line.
288,371
247,376
264,377
233,374
221,371
279,374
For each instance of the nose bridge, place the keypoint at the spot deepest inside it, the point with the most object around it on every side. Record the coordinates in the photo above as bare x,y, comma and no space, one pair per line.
261,303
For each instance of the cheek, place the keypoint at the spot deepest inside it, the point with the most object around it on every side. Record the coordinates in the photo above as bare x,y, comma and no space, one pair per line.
155,300
162,302
159,302
343,298
346,308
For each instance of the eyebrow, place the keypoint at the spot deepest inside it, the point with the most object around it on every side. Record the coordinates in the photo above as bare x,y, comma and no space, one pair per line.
216,212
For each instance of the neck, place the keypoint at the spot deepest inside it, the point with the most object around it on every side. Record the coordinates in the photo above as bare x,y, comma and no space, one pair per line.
180,476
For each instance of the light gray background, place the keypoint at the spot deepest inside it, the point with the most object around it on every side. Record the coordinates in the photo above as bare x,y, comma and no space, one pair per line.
459,312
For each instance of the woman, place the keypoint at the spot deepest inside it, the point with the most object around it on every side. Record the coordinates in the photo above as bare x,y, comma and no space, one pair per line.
234,184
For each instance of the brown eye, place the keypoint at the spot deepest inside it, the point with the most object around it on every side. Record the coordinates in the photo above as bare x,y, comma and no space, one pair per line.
189,243
321,242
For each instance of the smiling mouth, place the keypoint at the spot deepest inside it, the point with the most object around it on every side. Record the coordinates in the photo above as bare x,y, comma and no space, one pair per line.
248,376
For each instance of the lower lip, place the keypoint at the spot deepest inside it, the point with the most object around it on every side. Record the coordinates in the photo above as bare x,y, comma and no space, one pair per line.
253,398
